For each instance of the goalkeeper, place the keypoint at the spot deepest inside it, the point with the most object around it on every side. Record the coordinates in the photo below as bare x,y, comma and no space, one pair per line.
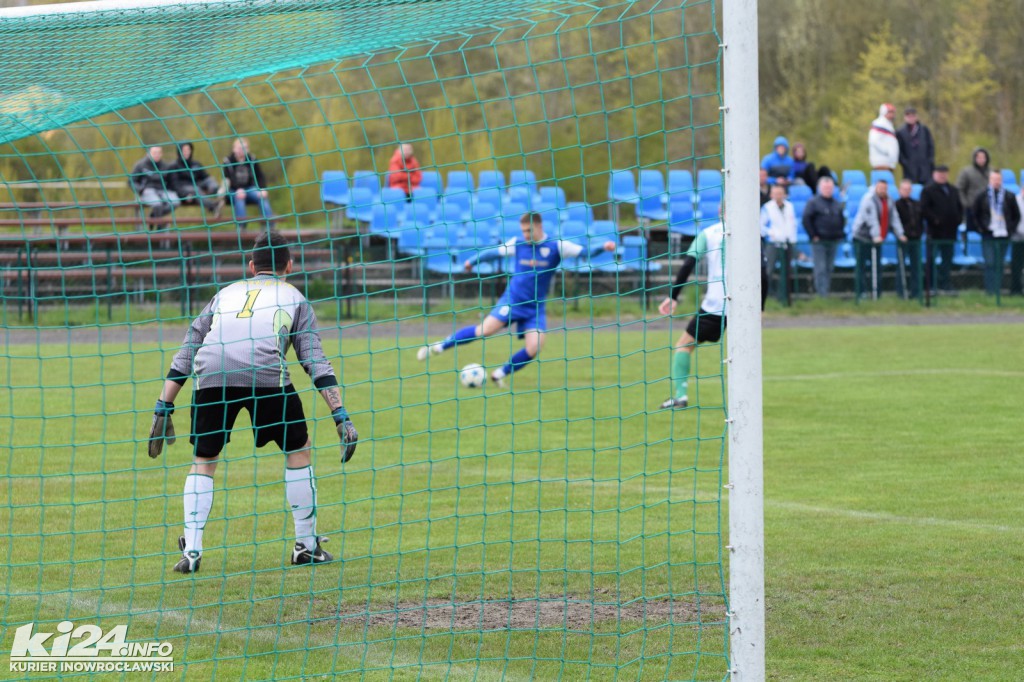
710,322
236,349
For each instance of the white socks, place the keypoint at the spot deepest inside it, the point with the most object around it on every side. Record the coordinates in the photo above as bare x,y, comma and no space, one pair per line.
301,491
198,498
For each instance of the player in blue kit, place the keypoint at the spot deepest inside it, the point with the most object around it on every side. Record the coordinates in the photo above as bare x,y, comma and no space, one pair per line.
537,258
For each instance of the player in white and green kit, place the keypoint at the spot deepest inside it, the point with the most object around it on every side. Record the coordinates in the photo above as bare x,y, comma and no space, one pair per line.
236,349
708,325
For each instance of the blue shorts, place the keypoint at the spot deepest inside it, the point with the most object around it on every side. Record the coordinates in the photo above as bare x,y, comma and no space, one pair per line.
527,316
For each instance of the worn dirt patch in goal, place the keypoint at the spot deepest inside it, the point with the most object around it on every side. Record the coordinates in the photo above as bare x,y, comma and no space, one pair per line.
527,614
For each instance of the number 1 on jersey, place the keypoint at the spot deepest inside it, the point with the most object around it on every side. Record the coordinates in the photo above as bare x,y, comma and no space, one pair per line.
250,301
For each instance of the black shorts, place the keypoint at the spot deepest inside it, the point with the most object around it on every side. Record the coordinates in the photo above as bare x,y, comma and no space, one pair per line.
706,327
276,415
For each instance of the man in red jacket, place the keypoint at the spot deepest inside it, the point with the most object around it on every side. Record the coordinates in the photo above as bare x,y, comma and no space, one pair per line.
404,170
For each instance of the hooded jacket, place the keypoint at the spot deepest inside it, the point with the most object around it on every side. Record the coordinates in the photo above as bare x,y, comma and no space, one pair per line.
778,166
973,179
187,171
866,226
883,147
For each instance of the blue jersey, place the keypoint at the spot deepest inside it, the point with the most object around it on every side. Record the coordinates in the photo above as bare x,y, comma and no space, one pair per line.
535,265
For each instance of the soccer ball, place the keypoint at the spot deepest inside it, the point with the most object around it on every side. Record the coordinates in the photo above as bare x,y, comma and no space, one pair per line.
473,376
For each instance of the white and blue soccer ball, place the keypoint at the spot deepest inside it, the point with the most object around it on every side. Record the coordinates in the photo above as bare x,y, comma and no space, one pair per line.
473,376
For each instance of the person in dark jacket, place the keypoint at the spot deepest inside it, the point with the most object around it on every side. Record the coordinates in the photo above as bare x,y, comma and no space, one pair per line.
803,170
824,223
941,212
245,179
150,182
913,229
765,188
995,216
973,180
192,183
917,149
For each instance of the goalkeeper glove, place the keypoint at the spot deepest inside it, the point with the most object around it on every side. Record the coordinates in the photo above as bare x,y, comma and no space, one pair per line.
347,432
163,427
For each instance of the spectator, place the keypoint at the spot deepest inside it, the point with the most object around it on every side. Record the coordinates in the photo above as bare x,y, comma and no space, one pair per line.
149,180
995,216
883,147
917,150
973,181
778,228
941,212
804,172
192,183
765,187
245,180
1017,252
910,217
404,170
778,163
876,217
824,223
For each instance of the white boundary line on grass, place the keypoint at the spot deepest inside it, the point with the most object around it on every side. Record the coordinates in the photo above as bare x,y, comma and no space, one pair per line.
893,518
1009,374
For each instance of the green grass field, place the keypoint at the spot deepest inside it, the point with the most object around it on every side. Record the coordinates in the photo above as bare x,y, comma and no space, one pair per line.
568,508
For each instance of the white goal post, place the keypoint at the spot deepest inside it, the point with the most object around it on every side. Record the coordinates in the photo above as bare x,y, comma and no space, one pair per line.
745,547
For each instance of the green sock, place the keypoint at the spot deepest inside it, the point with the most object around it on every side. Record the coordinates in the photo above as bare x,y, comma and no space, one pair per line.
680,372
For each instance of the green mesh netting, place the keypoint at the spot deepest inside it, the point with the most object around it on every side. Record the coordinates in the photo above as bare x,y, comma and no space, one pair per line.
561,528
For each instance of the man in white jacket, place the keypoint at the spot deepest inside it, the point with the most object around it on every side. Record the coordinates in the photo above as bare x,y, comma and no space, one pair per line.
778,229
883,145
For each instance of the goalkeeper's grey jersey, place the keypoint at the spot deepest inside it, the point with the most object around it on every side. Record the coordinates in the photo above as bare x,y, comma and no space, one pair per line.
243,334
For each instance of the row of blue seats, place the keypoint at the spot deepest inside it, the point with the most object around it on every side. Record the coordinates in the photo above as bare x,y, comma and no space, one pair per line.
967,253
336,188
852,178
441,256
469,235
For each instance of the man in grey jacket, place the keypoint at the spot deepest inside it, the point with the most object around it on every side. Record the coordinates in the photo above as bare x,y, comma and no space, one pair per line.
973,181
876,218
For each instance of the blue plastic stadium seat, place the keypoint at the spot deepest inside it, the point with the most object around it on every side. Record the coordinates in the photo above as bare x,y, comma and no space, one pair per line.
798,209
845,259
605,261
634,255
360,207
385,219
491,179
680,186
682,219
455,207
652,196
854,178
572,230
368,180
1009,177
854,195
800,193
334,188
483,213
522,187
459,182
579,210
419,216
425,196
488,195
877,175
622,187
551,217
513,210
709,212
709,185
973,254
605,230
915,191
431,179
552,197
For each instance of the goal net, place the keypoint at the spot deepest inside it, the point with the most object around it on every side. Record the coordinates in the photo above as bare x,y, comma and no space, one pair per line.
562,526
